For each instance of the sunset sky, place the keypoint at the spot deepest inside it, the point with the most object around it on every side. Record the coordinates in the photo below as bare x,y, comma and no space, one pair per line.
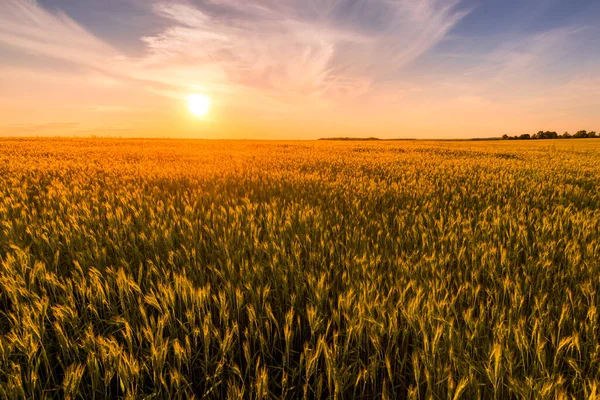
299,69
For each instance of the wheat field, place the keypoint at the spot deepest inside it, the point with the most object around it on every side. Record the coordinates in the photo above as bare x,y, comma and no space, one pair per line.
244,269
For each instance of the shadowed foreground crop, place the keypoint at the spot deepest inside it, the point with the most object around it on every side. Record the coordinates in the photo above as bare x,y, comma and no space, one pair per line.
308,269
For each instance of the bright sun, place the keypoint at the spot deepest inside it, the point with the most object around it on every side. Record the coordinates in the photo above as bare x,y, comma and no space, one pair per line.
198,104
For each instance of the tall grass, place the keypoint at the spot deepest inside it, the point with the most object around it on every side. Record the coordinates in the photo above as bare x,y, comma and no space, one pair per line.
176,269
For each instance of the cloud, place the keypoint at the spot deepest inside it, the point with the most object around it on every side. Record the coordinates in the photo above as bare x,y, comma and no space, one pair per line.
529,54
518,69
306,49
287,50
24,24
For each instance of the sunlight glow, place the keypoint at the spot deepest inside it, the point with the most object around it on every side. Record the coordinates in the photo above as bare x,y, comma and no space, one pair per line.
198,104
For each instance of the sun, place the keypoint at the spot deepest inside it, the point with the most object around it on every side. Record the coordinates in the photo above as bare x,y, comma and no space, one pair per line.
198,104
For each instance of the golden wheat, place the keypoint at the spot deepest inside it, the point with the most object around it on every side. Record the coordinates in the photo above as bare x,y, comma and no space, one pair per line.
178,269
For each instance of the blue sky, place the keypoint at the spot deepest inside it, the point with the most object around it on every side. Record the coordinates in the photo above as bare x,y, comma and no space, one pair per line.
390,68
123,22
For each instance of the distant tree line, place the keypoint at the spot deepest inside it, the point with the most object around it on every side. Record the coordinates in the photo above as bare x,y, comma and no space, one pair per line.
350,138
365,139
553,135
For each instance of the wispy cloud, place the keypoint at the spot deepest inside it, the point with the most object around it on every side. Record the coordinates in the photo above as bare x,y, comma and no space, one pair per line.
526,55
283,49
296,48
26,25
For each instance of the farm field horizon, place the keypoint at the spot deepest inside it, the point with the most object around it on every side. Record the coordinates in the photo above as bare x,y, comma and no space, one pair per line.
299,269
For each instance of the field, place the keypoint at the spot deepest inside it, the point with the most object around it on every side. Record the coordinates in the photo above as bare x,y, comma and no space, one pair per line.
172,269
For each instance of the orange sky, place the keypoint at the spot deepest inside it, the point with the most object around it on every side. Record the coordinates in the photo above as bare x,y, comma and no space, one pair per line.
294,70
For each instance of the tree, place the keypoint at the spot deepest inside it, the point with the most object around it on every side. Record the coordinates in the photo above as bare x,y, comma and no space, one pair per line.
566,135
592,134
505,137
525,136
546,135
580,134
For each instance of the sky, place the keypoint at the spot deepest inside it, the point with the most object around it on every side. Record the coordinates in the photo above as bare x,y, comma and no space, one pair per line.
299,69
